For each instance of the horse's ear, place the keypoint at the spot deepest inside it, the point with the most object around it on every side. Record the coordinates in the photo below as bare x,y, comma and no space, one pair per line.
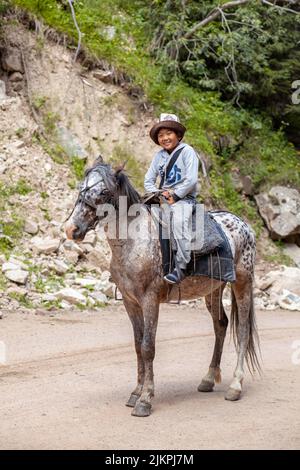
118,169
99,160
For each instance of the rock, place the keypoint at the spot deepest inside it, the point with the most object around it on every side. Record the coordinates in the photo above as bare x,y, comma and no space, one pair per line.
31,227
91,301
72,246
105,76
65,305
16,145
236,180
59,266
98,259
13,264
106,286
11,61
70,144
99,297
48,298
289,301
18,276
276,281
71,295
16,77
17,290
3,95
71,257
90,238
45,245
84,282
293,251
280,209
87,248
18,86
247,184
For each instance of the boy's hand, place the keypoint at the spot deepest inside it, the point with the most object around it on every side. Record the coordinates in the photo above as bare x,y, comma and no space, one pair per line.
169,197
170,200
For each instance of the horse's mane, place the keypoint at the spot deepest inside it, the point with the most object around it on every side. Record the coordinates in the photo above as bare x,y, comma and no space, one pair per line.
117,182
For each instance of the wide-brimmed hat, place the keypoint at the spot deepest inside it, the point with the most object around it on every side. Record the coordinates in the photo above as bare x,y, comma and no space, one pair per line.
167,121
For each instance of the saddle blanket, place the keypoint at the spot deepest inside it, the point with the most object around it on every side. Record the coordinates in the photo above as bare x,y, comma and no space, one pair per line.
218,264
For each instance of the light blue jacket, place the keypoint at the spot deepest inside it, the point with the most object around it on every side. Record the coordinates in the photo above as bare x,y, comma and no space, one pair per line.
183,177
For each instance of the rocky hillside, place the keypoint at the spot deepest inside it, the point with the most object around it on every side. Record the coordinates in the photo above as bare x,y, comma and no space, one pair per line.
56,117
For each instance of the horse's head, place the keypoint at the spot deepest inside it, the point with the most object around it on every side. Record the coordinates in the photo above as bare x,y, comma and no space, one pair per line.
101,185
98,187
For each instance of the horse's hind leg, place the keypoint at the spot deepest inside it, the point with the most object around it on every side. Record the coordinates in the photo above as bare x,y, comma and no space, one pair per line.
136,317
241,309
220,321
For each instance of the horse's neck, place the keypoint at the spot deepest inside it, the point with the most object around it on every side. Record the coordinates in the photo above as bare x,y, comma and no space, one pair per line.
127,238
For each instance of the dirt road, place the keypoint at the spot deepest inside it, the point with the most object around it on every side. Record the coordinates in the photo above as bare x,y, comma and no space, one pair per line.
68,376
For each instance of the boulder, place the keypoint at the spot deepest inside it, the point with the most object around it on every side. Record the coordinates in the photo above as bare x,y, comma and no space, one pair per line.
3,95
70,144
278,280
289,301
17,275
13,265
248,187
99,297
90,238
293,251
16,77
98,258
11,61
71,295
280,209
105,76
59,266
70,245
45,245
31,227
85,282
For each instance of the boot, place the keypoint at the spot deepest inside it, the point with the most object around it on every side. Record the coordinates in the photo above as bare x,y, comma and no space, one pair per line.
175,277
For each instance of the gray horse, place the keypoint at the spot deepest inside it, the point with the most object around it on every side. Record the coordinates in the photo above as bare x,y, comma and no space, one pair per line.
136,269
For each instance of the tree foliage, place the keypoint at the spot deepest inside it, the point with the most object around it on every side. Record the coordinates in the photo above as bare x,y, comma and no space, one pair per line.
250,54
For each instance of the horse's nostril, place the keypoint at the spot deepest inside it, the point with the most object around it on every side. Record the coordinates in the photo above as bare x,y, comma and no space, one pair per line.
77,234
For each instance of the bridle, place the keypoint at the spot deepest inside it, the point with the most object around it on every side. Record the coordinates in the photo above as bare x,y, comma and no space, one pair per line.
81,199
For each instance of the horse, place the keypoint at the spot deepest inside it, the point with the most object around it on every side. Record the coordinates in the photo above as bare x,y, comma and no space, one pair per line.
136,269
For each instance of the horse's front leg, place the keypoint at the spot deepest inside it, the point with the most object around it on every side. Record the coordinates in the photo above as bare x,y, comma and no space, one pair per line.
135,314
150,310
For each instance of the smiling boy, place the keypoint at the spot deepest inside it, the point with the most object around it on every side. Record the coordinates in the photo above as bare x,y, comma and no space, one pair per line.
177,165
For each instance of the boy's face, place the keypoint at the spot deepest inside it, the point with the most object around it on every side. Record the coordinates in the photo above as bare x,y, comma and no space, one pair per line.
167,139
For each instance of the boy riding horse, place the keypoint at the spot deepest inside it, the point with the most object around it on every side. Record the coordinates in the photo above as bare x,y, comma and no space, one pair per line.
177,165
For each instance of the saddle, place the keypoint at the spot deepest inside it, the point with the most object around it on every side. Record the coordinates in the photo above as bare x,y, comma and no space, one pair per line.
212,257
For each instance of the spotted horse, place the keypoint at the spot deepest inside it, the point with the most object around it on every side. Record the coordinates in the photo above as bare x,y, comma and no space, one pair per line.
136,269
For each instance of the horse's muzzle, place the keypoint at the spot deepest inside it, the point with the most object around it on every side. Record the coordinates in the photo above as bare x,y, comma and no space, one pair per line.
74,233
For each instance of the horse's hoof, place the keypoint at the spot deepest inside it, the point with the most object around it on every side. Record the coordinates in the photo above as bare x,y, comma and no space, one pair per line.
232,394
206,386
141,409
132,400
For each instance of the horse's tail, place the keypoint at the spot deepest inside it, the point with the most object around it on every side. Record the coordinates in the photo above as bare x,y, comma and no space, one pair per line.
253,348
